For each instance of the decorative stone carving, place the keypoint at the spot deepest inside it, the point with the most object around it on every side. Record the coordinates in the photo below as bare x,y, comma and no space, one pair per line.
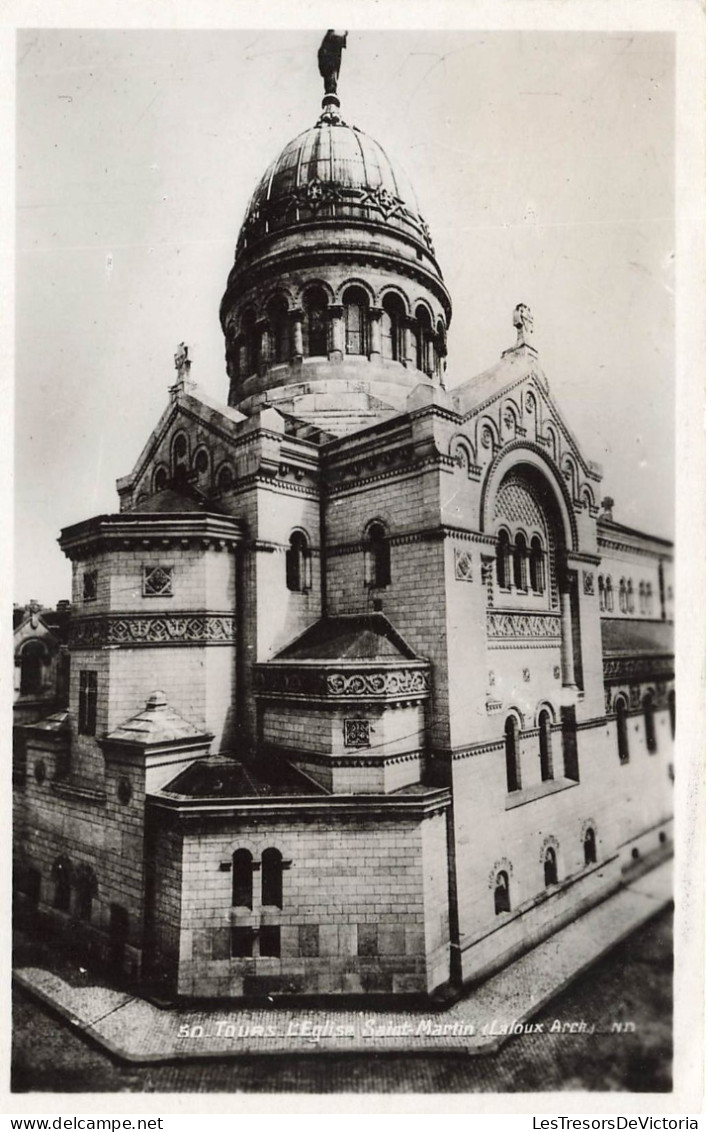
380,683
157,581
152,629
556,672
523,323
526,675
502,865
588,582
356,733
464,566
124,791
621,668
511,626
393,683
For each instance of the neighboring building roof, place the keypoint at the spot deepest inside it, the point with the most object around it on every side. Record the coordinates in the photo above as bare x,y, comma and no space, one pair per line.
220,777
156,723
358,637
625,638
608,531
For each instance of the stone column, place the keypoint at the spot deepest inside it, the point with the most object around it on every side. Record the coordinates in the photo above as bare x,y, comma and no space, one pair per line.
429,356
567,665
409,343
336,336
375,314
296,344
263,345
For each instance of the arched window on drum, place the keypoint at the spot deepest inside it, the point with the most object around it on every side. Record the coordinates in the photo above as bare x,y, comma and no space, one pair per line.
315,324
279,330
356,308
393,329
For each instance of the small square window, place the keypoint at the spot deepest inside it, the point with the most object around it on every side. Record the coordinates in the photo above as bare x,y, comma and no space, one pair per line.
157,581
90,585
241,943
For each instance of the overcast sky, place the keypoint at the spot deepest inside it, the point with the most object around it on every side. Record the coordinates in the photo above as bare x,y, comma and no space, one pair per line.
543,163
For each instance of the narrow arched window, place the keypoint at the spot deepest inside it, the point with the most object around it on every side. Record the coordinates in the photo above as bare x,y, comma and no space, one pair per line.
225,478
511,748
622,732
180,453
672,712
242,879
601,592
503,556
31,668
538,583
272,878
298,563
61,874
277,314
86,889
630,597
250,350
649,599
315,326
378,557
649,726
392,328
544,744
550,867
589,846
642,606
355,321
159,483
609,595
424,341
520,563
501,893
623,596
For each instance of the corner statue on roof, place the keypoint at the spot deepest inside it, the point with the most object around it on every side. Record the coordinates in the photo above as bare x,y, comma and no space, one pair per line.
329,58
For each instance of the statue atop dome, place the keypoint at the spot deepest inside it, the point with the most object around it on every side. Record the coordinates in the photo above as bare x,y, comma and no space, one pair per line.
329,58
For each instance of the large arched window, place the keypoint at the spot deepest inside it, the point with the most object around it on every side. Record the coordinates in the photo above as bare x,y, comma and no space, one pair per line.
622,732
377,556
502,902
393,328
315,326
649,723
503,560
32,660
538,583
609,595
272,878
277,315
356,306
589,846
511,748
520,562
550,867
623,596
544,745
242,879
298,563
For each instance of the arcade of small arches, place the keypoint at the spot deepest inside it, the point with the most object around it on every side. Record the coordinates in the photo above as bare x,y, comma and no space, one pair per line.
626,598
521,562
196,468
648,710
279,333
549,861
377,559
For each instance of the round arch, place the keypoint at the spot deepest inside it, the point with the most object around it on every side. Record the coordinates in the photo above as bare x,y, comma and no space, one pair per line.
355,282
514,455
390,291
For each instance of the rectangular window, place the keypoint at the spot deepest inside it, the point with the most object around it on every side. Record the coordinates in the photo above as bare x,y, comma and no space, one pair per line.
269,943
90,591
157,581
88,696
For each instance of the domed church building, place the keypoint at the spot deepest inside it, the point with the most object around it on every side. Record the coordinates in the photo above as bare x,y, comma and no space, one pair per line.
369,691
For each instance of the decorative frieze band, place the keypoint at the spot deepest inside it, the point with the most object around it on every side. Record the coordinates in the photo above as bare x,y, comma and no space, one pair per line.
523,626
404,683
619,668
134,629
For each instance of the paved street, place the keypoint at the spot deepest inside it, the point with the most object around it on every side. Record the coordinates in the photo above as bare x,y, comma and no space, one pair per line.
630,986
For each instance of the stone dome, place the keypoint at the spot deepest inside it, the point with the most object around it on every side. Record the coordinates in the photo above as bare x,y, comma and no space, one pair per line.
335,309
331,171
